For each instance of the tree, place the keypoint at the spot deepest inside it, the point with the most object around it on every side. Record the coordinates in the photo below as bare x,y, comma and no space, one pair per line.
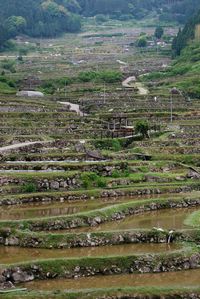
159,32
15,25
101,18
142,127
142,42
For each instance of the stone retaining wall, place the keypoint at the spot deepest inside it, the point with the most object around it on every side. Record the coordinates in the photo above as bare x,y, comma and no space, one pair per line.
85,267
70,182
84,195
98,217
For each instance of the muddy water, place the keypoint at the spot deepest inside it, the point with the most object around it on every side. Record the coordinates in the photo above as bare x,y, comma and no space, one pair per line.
10,255
189,278
38,210
166,219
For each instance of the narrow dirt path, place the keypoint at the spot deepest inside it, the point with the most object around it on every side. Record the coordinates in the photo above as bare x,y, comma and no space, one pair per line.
131,82
73,107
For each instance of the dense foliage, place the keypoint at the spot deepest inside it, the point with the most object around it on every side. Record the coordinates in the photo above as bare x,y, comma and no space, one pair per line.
185,35
49,18
38,18
180,10
183,73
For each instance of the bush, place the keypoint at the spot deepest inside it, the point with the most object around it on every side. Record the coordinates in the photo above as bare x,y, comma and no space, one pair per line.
91,179
108,144
23,51
116,174
101,18
101,182
8,65
64,81
110,76
48,87
29,188
107,76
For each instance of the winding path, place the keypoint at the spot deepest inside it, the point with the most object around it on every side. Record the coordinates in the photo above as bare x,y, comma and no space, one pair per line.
73,107
131,82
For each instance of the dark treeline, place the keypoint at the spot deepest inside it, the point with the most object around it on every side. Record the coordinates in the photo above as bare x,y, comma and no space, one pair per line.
49,18
38,18
185,35
179,10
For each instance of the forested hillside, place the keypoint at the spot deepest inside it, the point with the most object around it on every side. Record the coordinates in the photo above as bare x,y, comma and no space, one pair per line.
177,10
185,35
37,18
49,18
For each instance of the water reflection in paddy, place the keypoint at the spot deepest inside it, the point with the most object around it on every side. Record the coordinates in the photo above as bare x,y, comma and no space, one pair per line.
10,255
189,278
167,219
27,211
34,210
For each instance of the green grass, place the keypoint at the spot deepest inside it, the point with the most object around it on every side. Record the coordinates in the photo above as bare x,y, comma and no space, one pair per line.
193,219
64,267
183,73
127,292
106,214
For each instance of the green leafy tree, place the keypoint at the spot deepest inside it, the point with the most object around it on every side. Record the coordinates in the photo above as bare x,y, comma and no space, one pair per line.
159,32
142,127
15,25
142,42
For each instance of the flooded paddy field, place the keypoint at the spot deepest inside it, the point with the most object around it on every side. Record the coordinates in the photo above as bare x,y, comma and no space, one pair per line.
166,219
190,278
78,157
12,255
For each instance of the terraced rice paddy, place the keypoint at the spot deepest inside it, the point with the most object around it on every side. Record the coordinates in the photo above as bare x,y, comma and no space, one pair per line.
86,202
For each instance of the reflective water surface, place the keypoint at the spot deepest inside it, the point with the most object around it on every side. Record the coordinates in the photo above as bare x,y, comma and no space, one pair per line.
38,210
166,219
189,278
48,209
11,255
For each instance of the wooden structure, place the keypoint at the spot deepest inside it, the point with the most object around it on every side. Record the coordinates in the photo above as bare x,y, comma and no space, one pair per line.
117,126
197,32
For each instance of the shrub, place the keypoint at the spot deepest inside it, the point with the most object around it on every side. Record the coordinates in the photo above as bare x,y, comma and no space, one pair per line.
110,76
48,87
108,144
8,65
116,174
29,188
107,76
101,182
101,18
91,179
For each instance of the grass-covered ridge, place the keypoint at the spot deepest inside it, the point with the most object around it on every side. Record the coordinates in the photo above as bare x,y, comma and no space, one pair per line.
193,219
183,73
148,292
105,214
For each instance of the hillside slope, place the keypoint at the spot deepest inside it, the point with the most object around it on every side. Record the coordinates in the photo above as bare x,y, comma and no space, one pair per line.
49,18
186,35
